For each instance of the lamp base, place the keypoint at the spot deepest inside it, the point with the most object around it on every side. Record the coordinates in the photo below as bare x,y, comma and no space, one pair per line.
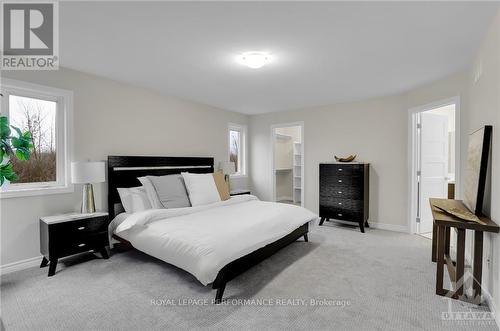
88,205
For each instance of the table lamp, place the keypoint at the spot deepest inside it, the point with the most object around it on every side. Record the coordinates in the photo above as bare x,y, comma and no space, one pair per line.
87,173
228,168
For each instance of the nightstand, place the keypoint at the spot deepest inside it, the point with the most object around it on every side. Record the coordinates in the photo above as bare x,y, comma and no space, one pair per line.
69,234
239,192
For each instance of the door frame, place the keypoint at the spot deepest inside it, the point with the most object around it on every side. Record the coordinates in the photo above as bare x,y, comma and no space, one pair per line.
302,162
413,156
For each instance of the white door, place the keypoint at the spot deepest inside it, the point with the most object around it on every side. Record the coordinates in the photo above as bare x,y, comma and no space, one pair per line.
433,164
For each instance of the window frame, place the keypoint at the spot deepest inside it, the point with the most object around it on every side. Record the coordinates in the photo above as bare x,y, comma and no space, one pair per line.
242,129
64,136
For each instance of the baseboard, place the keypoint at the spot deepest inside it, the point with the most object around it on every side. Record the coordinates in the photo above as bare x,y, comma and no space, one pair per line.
20,265
493,308
388,227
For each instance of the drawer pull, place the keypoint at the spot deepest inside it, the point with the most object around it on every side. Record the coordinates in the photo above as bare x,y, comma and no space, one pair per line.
81,245
81,228
340,169
340,180
340,203
340,215
340,192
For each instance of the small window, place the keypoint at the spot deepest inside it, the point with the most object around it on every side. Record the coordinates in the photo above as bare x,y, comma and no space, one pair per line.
237,148
37,116
46,113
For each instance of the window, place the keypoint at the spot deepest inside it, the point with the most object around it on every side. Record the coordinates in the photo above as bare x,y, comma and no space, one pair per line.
46,113
237,148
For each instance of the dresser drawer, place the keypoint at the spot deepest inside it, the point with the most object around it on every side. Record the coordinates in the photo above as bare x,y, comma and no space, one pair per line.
79,228
338,169
343,180
341,192
340,213
344,204
73,245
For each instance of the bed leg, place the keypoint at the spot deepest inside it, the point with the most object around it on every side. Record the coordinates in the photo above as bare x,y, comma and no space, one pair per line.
306,238
219,294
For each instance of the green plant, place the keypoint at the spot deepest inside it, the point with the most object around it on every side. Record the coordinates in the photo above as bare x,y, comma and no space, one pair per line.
18,145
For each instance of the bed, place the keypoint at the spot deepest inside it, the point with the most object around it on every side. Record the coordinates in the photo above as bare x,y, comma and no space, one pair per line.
214,242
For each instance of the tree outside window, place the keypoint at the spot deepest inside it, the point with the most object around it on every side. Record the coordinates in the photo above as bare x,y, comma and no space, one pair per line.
234,149
39,118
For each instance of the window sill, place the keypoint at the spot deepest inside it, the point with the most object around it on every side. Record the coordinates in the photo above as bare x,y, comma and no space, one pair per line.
27,192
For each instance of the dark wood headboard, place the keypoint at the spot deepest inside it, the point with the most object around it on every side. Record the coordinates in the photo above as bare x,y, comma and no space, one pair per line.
123,171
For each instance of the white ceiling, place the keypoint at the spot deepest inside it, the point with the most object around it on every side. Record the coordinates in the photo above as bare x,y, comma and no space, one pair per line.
325,52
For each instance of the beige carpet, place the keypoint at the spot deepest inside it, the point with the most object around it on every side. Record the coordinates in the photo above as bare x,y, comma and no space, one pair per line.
340,280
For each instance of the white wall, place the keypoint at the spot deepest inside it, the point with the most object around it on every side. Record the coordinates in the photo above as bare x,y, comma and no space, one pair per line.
112,118
375,130
484,109
372,129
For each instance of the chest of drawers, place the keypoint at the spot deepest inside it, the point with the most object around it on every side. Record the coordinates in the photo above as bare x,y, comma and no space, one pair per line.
344,192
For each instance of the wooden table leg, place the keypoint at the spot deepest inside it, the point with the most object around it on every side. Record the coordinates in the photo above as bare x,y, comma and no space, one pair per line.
447,241
434,242
321,221
478,266
459,291
440,260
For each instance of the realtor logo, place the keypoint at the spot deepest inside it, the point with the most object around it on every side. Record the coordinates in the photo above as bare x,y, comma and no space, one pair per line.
29,37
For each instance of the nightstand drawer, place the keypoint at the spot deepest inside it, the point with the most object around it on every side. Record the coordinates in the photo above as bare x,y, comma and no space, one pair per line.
80,227
73,245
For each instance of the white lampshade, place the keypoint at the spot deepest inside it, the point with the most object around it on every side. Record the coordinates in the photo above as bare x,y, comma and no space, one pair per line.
227,167
88,172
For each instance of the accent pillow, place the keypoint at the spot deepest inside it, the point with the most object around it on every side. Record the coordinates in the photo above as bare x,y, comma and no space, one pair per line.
221,184
134,199
151,192
201,188
170,190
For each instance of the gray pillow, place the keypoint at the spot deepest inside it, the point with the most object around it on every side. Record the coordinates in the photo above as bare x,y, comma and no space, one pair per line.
171,190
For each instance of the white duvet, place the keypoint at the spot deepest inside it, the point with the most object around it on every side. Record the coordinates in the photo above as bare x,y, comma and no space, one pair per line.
203,239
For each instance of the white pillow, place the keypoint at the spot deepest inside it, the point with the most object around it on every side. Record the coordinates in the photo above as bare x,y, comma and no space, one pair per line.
134,199
151,193
201,188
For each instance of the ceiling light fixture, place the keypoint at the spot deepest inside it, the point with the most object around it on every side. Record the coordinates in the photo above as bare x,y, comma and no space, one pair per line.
254,60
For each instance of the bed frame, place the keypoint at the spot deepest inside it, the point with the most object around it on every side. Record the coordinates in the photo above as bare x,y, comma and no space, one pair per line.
123,171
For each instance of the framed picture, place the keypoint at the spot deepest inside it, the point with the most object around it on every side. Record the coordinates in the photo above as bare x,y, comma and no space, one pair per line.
476,169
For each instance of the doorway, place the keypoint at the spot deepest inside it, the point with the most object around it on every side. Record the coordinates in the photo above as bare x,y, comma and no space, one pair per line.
434,160
287,141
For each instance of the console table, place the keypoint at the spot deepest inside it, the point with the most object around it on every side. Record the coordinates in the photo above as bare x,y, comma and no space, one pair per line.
441,251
